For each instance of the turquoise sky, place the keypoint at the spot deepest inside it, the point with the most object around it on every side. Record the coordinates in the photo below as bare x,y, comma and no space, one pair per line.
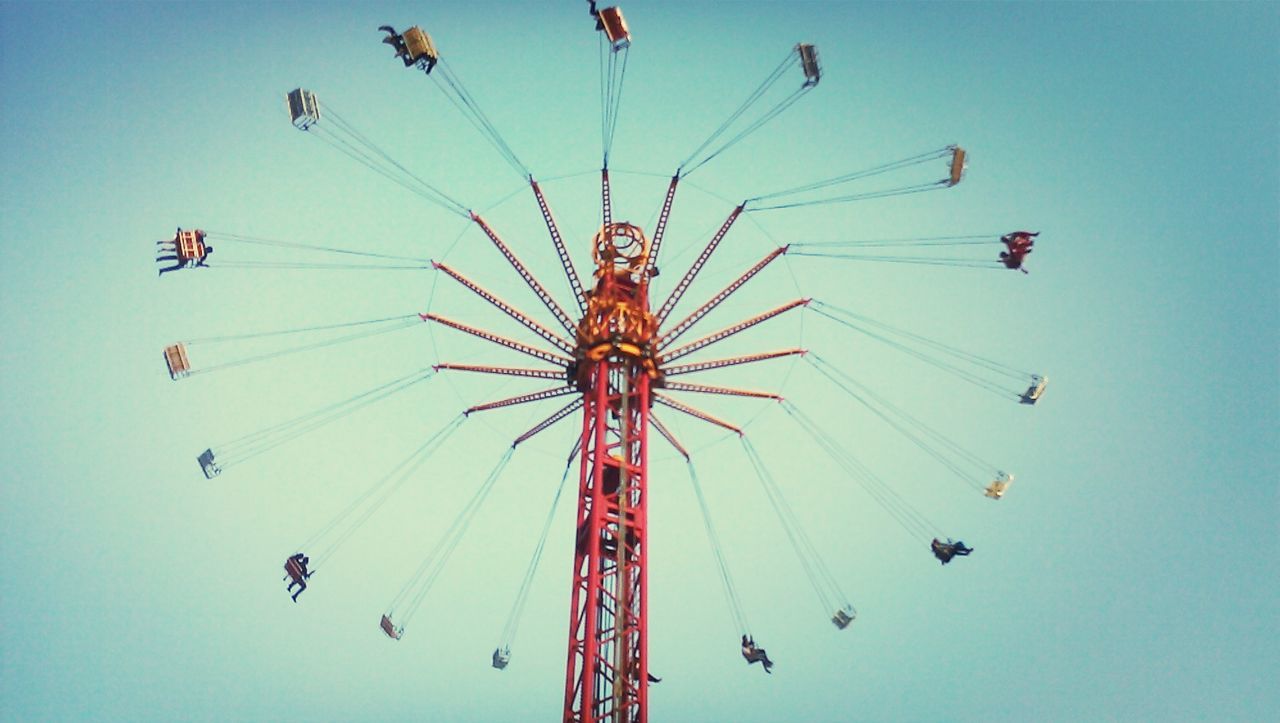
1126,576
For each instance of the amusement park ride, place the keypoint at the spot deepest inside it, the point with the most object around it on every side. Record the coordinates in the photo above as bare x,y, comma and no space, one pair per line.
618,360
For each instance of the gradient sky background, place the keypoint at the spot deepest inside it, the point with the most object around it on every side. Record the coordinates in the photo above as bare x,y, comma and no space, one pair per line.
1128,575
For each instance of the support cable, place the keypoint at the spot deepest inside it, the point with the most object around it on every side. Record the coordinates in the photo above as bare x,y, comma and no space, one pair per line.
920,260
611,94
316,266
859,323
790,60
924,437
830,596
401,323
901,511
376,495
717,550
966,240
947,182
255,443
259,241
354,144
526,584
466,104
301,330
416,589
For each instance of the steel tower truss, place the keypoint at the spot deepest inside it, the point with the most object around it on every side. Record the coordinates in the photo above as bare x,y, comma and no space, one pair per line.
619,362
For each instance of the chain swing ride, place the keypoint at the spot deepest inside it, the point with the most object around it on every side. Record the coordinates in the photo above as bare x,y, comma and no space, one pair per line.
617,361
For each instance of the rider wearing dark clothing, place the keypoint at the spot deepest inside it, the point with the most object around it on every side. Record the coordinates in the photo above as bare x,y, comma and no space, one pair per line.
300,576
945,551
754,654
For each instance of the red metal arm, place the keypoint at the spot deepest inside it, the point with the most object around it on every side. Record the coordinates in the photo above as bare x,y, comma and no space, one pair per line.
710,339
668,401
652,262
506,308
523,399
499,340
575,284
731,361
708,389
667,435
672,300
529,279
706,308
508,371
565,411
606,202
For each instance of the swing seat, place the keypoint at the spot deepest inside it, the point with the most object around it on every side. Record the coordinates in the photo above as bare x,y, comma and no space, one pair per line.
391,629
997,488
294,569
957,166
809,63
420,47
843,617
1034,392
190,245
207,465
175,357
615,28
501,656
304,109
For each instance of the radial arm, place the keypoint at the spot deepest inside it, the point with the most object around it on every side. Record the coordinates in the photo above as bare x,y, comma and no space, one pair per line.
565,411
691,411
667,435
528,277
729,391
729,331
575,284
701,261
499,340
725,293
508,371
522,399
507,309
661,228
731,361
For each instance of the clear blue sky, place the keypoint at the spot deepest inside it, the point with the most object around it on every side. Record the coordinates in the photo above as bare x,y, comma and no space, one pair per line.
1129,574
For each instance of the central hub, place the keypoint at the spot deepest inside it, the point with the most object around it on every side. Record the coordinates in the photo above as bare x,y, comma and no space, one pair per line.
618,323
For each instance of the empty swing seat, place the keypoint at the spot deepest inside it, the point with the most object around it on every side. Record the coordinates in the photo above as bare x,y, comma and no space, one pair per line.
304,109
207,465
501,656
390,628
809,63
615,28
843,617
997,488
1033,393
175,357
957,166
